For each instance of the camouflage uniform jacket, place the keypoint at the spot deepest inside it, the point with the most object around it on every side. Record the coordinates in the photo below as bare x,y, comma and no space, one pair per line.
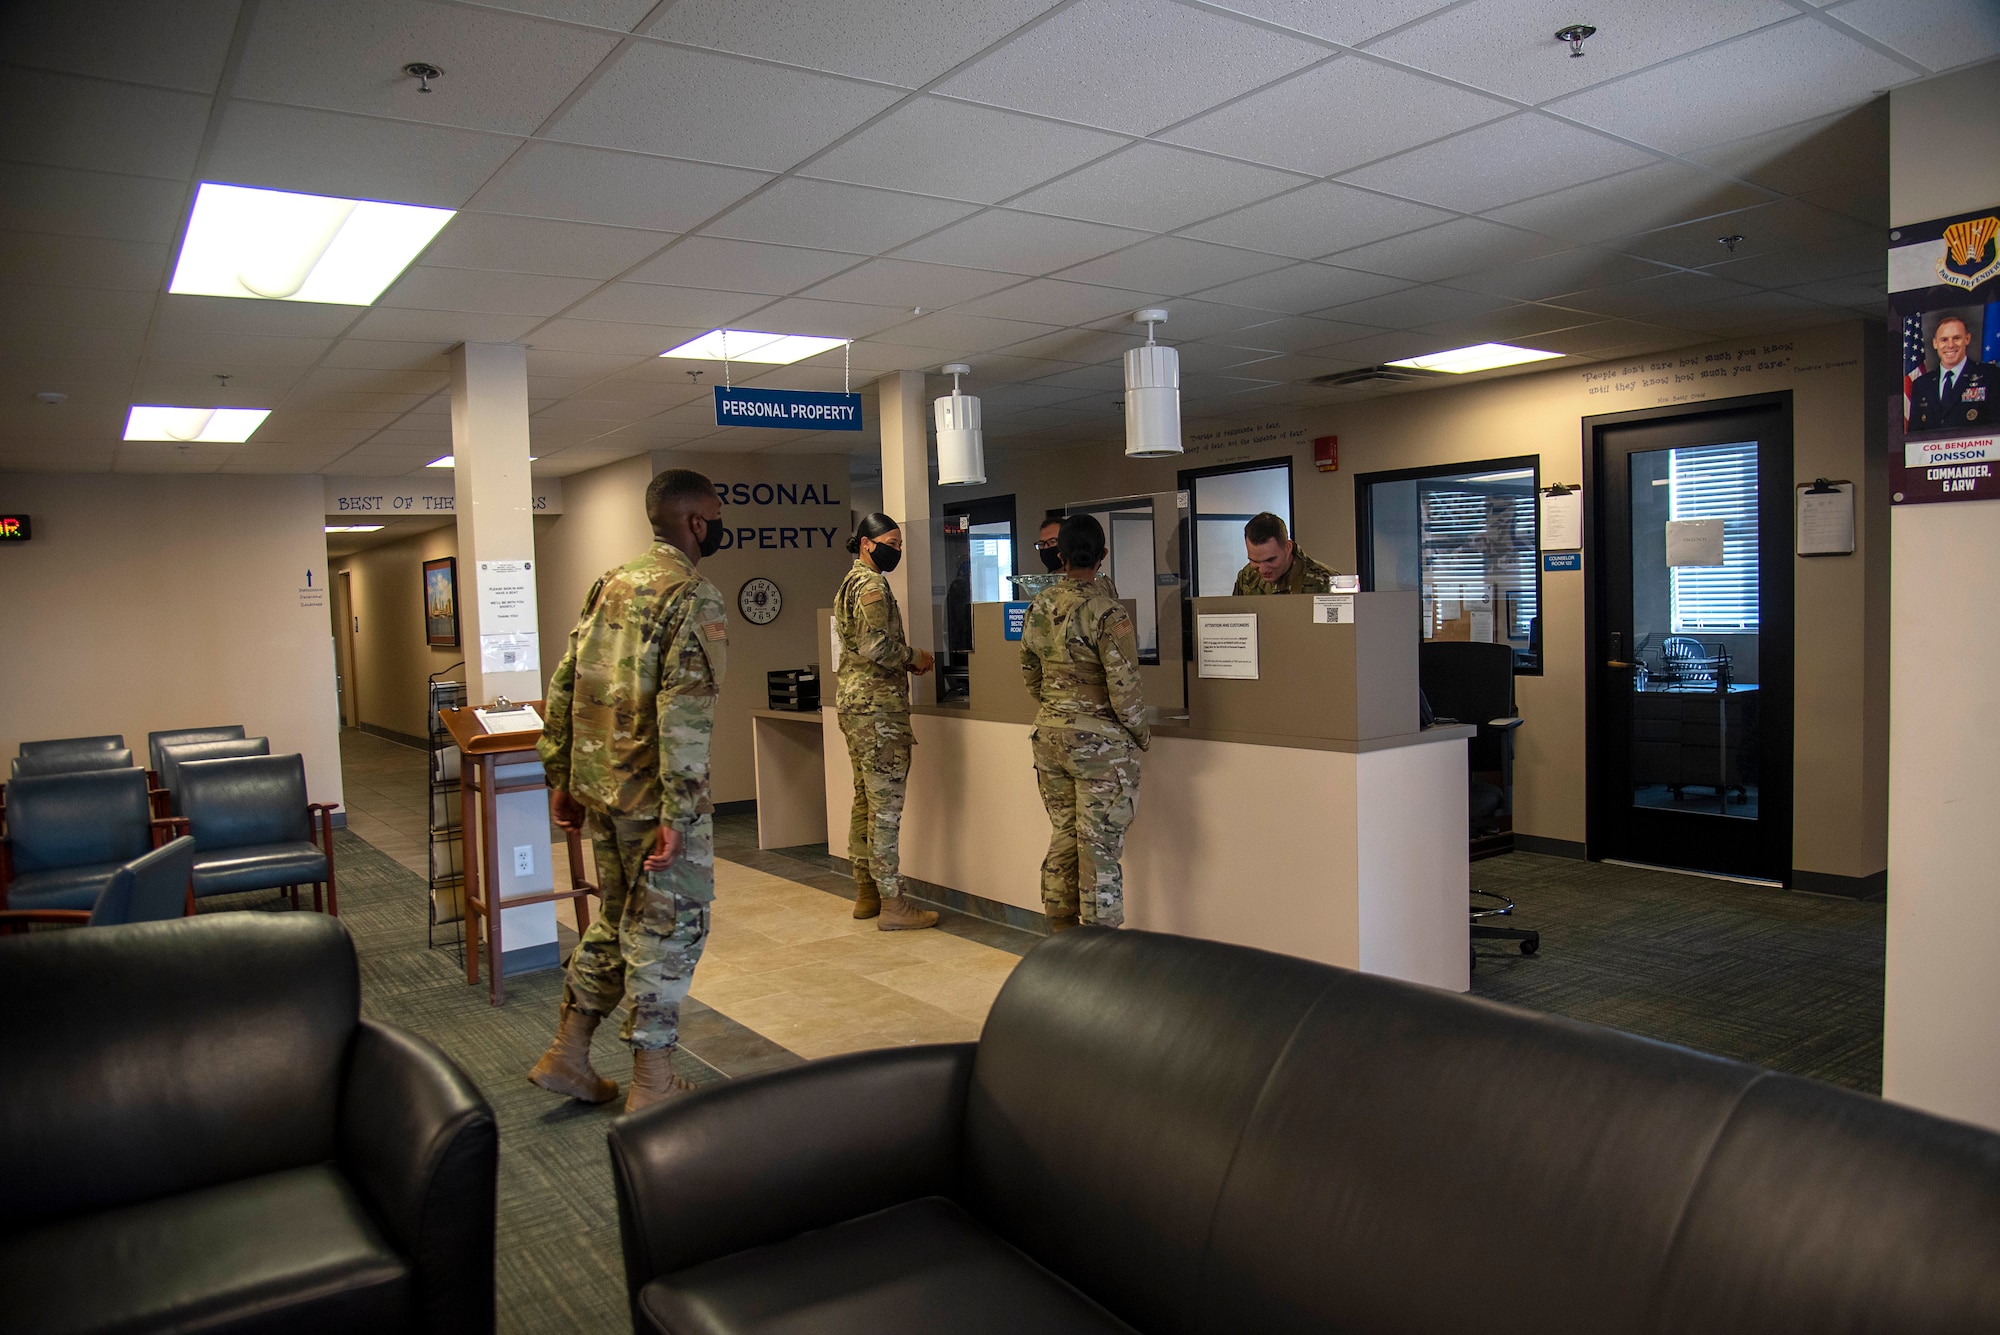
631,707
1080,657
875,658
1305,576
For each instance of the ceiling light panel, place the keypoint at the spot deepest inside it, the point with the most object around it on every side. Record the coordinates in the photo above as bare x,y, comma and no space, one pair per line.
749,345
187,425
354,528
273,245
451,461
1478,357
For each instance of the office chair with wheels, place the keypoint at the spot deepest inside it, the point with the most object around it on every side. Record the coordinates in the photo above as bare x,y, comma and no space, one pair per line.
1474,683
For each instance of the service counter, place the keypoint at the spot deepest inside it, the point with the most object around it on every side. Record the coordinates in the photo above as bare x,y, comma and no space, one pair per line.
1300,811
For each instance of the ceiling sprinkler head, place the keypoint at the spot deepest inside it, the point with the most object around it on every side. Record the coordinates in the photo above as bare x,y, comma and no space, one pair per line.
423,72
1728,243
1574,34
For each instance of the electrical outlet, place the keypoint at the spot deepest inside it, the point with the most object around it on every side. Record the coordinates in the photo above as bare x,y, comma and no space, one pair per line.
524,859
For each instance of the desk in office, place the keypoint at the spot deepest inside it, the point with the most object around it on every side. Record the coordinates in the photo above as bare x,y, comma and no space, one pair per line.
1695,737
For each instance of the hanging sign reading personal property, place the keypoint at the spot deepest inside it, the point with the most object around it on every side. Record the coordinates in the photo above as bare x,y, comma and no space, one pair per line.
1944,305
787,409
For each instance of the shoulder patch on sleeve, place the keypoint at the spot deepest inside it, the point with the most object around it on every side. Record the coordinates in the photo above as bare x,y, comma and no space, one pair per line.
715,630
871,594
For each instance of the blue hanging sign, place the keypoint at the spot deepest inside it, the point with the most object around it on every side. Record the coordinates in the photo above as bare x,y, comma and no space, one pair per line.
1562,561
787,409
1016,615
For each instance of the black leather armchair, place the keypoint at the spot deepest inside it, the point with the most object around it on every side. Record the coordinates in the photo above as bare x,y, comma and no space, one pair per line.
167,782
156,763
254,829
152,888
69,762
208,1137
110,741
68,834
1156,1133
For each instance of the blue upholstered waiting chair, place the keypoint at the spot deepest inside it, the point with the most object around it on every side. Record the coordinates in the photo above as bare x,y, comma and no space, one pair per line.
42,763
153,888
110,741
167,782
68,834
254,829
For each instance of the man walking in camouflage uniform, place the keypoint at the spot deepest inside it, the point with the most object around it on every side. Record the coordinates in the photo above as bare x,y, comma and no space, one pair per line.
625,747
872,700
1080,657
1276,564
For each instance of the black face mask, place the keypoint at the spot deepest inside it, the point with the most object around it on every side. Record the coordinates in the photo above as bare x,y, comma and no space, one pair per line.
1052,558
711,540
885,557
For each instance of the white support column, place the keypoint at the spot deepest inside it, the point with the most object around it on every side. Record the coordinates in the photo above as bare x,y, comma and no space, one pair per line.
906,497
496,526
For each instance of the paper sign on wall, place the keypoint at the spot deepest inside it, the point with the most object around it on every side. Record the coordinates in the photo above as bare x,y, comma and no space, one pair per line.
1694,542
1333,609
509,640
1562,521
1226,645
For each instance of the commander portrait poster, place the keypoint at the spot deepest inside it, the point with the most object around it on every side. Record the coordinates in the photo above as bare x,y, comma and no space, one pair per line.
1944,308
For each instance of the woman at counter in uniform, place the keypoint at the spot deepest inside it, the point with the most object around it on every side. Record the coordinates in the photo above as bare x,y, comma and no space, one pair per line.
872,699
1080,656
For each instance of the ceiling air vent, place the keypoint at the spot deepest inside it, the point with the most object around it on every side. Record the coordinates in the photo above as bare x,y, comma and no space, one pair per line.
1371,375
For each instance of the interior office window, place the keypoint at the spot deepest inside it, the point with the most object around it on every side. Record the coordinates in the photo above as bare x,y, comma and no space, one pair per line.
1465,538
1129,561
1220,503
1716,482
992,556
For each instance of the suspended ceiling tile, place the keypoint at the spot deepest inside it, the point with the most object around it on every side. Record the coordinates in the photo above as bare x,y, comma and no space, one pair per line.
826,319
1790,266
1463,245
1750,309
1652,197
934,146
500,72
909,284
1187,319
1416,306
1056,301
595,365
1811,155
595,185
325,153
1865,294
1768,227
906,42
1022,243
607,413
158,457
196,383
1338,116
94,204
274,457
950,331
1523,324
716,108
182,45
78,307
378,354
1596,339
357,380
228,315
650,304
1729,91
655,393
1653,297
1350,23
32,257
1303,287
1866,202
1081,345
1130,65
225,352
1002,367
1941,34
610,337
1499,163
425,288
1155,188
1172,265
1318,220
504,244
1508,46
104,420
741,266
1375,349
61,120
619,15
442,326
877,356
830,216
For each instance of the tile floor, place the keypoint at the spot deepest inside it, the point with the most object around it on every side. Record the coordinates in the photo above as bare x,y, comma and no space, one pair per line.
785,957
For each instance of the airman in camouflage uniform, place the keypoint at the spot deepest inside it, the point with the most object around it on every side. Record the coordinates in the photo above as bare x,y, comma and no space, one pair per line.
1080,657
631,709
1277,564
872,700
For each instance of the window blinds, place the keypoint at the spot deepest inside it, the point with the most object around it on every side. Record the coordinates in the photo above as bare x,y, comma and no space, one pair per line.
1717,482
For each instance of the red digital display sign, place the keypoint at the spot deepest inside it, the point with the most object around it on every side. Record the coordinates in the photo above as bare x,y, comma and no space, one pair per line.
14,528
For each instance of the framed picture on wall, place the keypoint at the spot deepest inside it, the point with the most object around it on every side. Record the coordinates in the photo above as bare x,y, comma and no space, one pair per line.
441,603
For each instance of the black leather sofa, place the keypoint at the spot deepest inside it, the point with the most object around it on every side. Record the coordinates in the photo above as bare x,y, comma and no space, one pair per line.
198,1133
1168,1135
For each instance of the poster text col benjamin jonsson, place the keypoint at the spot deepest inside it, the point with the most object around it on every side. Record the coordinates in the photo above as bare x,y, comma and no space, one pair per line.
770,537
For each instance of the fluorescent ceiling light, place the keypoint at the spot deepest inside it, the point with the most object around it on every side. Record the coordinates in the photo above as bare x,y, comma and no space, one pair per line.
353,528
1478,357
277,246
208,425
451,461
747,345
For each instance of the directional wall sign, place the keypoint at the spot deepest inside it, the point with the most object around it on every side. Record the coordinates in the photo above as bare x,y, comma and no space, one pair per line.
787,409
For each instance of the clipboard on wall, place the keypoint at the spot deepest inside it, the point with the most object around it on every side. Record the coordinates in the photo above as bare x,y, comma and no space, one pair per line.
1824,517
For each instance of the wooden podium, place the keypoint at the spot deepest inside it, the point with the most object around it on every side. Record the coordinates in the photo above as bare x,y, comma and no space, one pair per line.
482,753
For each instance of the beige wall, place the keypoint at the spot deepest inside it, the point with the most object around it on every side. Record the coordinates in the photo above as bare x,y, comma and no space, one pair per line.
386,682
1839,825
145,603
603,525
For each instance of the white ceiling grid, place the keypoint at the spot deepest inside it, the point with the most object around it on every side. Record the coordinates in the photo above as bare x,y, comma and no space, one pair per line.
1310,188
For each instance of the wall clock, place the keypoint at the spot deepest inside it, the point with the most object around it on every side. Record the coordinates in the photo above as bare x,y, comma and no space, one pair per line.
760,601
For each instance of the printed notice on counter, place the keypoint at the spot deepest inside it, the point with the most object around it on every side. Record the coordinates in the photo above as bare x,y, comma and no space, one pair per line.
1226,645
522,719
1333,609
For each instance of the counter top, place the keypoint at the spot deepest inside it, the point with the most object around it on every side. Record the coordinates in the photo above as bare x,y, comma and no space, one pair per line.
1182,730
788,715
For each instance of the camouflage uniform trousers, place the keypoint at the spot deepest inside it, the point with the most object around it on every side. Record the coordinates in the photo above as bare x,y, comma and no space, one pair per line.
1090,787
645,942
878,746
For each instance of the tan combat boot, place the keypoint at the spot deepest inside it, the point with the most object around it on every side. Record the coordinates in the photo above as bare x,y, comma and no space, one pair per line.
565,1068
654,1078
900,915
1061,922
867,900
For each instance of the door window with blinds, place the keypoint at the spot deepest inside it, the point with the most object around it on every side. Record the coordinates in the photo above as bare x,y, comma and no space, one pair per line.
1464,537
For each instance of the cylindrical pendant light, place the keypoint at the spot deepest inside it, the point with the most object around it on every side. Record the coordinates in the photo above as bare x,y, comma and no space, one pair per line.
961,448
1152,395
